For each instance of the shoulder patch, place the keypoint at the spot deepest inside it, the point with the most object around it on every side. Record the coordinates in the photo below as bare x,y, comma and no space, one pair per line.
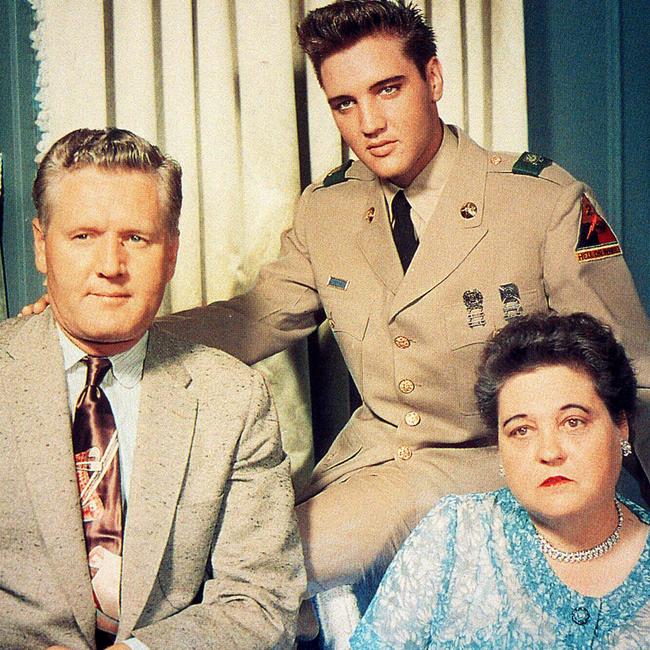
596,239
337,175
530,164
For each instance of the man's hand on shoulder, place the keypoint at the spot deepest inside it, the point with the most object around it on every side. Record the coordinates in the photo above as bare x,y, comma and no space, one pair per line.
37,307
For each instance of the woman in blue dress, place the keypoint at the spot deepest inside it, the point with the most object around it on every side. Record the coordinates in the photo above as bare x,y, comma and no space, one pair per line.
557,559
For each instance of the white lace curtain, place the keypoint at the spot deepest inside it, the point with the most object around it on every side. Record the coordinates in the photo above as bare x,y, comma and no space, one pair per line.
222,86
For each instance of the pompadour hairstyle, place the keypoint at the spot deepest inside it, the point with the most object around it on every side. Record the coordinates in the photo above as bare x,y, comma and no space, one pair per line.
340,25
110,149
578,340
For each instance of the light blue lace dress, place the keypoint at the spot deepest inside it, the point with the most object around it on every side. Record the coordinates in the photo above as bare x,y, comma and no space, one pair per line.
471,575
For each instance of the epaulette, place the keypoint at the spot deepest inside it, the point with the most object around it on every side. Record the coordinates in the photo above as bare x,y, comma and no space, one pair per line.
530,164
337,175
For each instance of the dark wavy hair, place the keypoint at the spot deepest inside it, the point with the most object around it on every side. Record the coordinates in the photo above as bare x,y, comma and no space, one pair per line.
340,25
577,340
110,149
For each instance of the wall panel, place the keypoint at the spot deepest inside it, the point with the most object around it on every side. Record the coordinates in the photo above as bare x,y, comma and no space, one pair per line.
587,69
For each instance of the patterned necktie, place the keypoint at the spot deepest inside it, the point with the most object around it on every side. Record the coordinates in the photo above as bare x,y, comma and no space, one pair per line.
403,231
98,475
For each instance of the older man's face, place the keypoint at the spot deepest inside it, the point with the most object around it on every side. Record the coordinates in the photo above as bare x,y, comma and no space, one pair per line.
107,256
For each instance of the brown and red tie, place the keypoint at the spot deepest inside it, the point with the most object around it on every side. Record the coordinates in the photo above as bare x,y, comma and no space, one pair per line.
98,475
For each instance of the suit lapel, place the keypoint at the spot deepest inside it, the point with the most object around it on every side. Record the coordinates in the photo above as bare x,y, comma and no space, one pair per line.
43,435
165,431
375,239
449,237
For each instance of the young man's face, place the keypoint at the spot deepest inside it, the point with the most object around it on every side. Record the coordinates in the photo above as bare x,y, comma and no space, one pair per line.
107,255
385,110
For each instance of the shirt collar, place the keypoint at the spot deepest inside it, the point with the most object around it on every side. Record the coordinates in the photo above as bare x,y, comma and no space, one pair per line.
431,180
127,366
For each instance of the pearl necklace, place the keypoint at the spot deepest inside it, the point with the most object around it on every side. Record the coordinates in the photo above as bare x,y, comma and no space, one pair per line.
589,554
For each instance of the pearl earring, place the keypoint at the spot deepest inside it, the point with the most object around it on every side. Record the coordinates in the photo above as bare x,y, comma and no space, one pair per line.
626,448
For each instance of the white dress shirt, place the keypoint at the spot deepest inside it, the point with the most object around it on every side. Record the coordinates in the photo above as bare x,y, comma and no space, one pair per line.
122,388
426,189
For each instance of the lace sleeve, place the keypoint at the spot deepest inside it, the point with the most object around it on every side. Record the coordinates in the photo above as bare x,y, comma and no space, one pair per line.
401,612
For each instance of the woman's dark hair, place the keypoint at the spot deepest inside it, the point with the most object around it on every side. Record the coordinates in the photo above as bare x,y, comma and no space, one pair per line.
577,340
340,25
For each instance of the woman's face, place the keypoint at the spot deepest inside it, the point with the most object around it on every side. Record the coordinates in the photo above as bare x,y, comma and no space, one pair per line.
559,446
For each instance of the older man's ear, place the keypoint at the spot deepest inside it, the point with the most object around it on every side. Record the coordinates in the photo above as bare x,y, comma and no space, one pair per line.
40,259
41,264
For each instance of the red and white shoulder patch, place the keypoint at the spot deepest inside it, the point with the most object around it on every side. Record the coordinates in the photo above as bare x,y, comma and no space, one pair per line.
596,239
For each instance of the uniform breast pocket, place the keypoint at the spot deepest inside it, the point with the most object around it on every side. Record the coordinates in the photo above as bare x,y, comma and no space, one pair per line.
349,322
463,330
469,324
475,319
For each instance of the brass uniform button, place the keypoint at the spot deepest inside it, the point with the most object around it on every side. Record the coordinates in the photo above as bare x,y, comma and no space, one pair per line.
331,323
404,452
412,418
406,386
402,342
469,210
495,160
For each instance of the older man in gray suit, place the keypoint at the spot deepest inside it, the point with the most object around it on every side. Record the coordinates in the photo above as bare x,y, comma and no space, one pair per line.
145,500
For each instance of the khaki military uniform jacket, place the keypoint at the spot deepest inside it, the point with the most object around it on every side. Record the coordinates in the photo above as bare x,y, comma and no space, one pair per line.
500,244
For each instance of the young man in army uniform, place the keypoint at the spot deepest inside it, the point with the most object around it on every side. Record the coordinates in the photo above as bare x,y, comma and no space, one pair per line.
416,252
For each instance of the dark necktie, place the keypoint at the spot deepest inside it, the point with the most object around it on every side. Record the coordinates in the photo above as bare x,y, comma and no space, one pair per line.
403,231
98,475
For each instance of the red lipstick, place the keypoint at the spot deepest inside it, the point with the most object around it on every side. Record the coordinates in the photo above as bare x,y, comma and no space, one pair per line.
554,480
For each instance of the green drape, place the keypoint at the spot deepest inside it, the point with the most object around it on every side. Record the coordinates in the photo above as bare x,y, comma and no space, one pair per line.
3,292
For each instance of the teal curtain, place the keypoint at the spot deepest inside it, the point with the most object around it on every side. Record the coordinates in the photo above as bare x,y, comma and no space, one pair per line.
20,282
3,292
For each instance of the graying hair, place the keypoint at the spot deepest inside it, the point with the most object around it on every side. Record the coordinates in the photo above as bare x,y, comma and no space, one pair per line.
110,149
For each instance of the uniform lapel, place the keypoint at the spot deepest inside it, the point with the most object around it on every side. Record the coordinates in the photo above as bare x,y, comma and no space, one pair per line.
41,418
450,236
375,239
165,431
